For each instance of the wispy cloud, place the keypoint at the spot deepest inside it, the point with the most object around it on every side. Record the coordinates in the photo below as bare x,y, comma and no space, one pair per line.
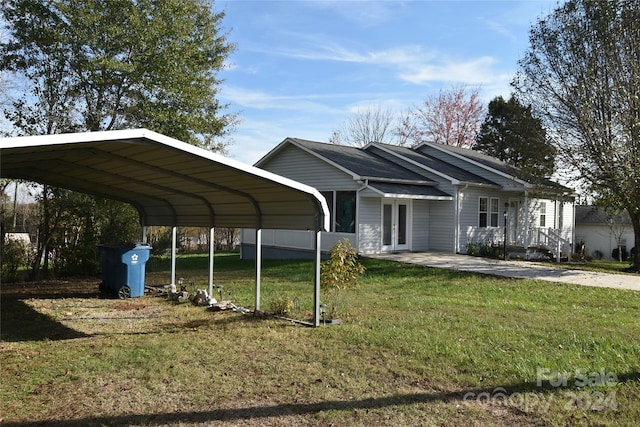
500,28
260,100
475,71
363,13
413,63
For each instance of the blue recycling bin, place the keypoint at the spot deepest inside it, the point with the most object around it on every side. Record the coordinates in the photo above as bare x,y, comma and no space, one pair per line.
123,268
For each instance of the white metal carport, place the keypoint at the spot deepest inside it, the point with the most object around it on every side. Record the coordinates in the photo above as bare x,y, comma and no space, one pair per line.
170,183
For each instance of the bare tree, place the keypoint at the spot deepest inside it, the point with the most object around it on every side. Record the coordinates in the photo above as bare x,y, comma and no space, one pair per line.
618,224
367,124
451,117
582,75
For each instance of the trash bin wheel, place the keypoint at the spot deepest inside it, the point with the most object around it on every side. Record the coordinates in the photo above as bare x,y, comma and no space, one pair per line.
124,292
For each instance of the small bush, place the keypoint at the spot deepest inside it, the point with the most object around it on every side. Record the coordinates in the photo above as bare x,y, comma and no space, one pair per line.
486,250
343,269
339,272
281,306
472,249
15,256
615,254
597,254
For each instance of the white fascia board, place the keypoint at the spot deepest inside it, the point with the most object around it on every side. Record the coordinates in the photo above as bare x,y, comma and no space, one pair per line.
272,152
407,196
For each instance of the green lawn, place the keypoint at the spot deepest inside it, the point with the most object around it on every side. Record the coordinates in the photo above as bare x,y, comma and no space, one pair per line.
417,346
600,265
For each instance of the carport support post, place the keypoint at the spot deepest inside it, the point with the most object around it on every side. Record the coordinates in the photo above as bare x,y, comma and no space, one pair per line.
211,254
258,265
174,237
316,295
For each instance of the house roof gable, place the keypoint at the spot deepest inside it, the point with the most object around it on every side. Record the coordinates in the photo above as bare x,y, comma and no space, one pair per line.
360,163
406,164
434,165
595,215
497,166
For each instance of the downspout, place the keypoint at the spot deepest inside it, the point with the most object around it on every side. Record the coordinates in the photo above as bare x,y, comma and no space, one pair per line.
456,220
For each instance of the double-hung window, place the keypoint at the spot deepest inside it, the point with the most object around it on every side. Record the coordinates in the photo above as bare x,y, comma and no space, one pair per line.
543,214
488,212
495,207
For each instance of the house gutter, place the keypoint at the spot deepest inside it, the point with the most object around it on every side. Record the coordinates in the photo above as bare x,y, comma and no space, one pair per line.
396,181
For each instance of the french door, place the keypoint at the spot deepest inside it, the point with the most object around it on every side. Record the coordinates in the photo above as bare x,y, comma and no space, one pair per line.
395,225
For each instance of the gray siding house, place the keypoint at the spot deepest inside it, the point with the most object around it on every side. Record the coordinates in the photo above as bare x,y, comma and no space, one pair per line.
387,198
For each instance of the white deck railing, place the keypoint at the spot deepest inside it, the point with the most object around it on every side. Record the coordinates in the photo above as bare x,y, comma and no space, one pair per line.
549,238
552,239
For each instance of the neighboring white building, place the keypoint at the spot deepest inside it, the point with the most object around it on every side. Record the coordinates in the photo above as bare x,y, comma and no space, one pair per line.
387,198
18,237
600,231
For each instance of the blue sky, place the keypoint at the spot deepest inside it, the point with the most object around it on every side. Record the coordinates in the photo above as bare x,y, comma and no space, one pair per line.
301,68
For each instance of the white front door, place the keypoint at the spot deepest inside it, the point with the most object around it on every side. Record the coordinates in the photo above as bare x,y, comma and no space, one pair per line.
396,233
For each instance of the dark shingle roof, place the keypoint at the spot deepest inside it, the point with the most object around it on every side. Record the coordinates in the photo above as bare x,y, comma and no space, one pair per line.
364,163
408,189
597,215
439,165
503,167
360,162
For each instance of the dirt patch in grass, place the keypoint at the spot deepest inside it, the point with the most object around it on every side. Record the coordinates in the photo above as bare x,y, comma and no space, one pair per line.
126,306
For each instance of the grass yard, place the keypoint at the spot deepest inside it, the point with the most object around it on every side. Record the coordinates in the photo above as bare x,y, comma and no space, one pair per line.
417,346
600,265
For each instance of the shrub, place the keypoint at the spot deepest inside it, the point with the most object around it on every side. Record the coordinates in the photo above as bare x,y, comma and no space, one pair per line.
339,272
615,254
14,256
486,250
343,269
281,306
472,249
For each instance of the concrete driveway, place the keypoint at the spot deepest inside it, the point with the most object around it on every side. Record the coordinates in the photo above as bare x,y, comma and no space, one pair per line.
517,269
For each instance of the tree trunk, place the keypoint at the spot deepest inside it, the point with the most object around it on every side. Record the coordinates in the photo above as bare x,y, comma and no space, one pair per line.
635,221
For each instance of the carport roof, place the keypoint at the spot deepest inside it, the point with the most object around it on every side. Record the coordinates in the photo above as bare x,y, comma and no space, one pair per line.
168,181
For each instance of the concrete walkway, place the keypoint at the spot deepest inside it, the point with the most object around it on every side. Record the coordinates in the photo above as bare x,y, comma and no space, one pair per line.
517,269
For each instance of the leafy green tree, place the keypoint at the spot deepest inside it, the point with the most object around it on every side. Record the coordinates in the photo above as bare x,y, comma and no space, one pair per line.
93,65
117,64
581,73
510,133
